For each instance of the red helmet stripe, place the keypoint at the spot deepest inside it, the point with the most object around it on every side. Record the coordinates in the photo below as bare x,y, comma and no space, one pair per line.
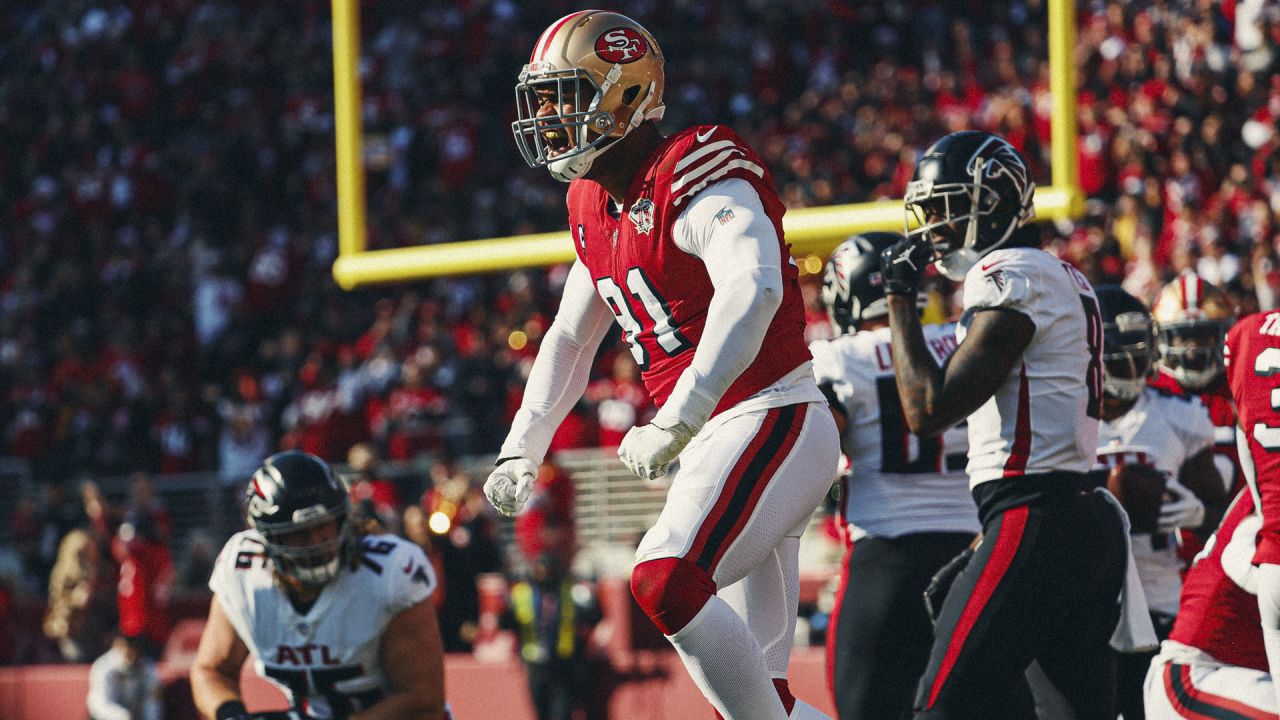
544,42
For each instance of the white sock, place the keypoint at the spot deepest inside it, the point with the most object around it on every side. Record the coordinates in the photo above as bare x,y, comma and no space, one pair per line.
725,661
1269,610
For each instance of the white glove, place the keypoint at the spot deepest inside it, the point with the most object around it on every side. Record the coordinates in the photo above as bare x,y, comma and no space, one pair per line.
510,484
1180,509
647,450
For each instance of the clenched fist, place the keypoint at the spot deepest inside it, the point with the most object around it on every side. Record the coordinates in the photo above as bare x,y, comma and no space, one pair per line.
647,450
510,484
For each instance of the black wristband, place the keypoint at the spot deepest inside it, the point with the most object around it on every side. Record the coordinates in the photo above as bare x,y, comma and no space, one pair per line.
501,460
230,710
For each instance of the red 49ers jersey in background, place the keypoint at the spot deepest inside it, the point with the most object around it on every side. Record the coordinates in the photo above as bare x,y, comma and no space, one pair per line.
659,294
1253,371
1217,400
1216,614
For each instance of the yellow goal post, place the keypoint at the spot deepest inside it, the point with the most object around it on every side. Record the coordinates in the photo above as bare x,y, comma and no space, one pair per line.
811,231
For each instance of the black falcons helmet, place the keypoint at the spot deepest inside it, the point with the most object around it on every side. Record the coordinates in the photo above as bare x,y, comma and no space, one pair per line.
970,191
1128,342
851,285
291,493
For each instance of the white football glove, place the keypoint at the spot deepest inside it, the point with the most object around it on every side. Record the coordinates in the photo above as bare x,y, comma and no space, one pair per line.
1180,509
510,484
647,450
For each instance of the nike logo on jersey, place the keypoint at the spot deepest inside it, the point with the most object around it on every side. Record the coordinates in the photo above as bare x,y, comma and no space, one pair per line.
408,568
988,266
702,136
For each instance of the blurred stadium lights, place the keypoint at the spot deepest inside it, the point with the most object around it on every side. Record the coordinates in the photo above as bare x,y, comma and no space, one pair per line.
810,231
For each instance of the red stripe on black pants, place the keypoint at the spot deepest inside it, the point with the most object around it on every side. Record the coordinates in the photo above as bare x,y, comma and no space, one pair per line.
1043,586
1012,526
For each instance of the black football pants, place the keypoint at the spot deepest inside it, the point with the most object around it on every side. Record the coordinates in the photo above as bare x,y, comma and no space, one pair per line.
880,632
1044,585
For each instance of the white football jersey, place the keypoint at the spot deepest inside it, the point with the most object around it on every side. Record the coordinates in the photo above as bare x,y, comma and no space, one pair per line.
898,483
327,660
1162,430
1043,417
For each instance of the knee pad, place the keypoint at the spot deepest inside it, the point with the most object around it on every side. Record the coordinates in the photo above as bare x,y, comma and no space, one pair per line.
671,591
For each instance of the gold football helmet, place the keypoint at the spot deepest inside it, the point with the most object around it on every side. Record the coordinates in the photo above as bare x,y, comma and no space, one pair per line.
1192,318
593,77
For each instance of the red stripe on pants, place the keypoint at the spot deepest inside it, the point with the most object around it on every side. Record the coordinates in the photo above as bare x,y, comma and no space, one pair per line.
834,621
1012,526
760,483
735,476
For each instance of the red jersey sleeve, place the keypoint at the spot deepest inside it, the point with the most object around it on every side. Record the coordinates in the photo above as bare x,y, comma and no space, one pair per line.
1253,371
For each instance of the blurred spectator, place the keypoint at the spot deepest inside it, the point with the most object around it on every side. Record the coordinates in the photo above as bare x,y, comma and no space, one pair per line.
123,684
407,421
196,566
456,513
373,497
553,616
546,526
242,445
60,515
620,401
146,578
77,618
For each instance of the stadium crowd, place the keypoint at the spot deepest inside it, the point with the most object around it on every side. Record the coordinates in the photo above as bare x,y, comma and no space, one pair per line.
166,184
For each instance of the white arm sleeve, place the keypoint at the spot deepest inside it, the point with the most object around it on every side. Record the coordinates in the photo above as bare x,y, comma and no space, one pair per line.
1269,609
726,227
560,371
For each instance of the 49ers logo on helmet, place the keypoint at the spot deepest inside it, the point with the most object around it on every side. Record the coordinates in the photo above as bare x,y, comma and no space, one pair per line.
621,45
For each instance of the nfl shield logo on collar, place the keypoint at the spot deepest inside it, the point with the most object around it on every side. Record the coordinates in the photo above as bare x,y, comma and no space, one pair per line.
641,214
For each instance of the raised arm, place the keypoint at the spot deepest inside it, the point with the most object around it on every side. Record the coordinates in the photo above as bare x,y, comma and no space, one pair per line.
933,398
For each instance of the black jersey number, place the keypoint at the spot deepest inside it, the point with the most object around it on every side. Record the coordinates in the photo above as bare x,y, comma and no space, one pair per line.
639,302
324,681
896,439
1093,377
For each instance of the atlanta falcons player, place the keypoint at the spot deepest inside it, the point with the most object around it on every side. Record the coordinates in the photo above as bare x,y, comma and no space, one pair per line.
1253,374
905,504
1214,664
1173,434
343,624
1043,584
679,239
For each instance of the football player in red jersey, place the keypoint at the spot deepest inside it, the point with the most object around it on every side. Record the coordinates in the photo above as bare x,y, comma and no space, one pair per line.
1192,318
679,239
1252,359
1214,663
